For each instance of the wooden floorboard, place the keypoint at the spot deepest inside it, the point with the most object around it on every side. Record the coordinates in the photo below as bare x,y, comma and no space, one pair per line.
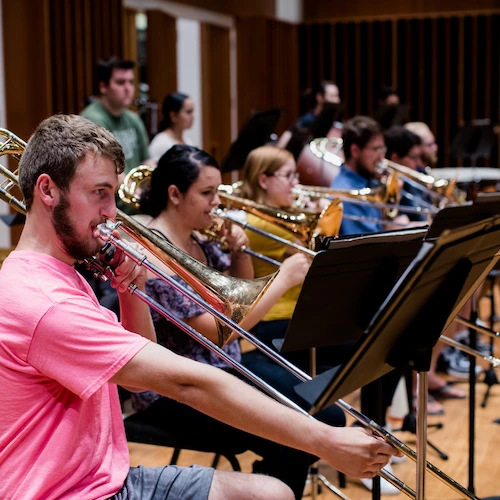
453,439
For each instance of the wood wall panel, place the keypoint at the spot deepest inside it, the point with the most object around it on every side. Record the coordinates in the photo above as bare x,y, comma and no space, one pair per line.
215,75
268,71
326,10
445,67
161,55
28,66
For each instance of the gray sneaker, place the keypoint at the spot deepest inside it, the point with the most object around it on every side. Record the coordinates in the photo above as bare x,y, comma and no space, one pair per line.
483,347
459,365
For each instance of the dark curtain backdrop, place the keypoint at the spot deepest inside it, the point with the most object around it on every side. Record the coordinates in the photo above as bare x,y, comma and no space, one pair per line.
446,68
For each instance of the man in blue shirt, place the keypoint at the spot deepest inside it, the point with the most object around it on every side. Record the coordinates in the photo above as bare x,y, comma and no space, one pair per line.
364,149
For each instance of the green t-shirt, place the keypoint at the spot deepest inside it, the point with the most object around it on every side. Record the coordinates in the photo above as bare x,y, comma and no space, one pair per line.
128,129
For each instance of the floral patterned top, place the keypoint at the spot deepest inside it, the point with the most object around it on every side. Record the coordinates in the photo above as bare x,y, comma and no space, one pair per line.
172,337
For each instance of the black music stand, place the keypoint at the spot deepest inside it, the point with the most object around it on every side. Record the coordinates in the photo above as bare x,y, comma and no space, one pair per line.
392,114
364,268
484,206
440,279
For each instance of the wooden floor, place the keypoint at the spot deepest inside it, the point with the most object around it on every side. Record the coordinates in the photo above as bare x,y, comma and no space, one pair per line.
453,439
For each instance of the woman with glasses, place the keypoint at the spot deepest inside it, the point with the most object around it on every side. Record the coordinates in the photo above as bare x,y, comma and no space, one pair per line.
179,199
269,175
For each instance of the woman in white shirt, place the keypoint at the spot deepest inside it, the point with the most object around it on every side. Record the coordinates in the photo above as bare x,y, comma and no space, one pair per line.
178,116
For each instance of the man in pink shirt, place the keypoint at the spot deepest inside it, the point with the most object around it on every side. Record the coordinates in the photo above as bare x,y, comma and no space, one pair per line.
62,355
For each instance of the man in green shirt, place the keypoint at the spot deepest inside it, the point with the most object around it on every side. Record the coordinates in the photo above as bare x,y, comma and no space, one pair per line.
115,80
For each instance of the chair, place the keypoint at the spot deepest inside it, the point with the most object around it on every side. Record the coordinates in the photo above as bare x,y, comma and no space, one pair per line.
143,427
140,429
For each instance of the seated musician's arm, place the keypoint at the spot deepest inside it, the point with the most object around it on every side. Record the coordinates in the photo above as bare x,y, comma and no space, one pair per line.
212,391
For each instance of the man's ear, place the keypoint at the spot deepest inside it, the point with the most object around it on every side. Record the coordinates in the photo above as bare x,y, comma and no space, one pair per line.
102,88
395,158
46,190
355,151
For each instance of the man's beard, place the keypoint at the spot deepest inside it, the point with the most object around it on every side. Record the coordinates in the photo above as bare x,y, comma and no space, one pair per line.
367,172
79,249
429,160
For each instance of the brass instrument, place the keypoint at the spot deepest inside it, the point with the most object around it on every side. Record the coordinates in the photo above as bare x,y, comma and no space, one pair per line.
216,232
307,226
327,149
129,189
178,259
441,191
12,146
128,192
234,297
386,195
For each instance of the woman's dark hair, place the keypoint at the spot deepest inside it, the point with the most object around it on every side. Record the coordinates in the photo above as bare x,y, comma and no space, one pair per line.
180,166
172,103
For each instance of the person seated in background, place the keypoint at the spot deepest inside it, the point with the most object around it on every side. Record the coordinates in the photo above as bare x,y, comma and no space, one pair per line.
429,147
389,111
62,358
326,91
405,148
179,199
178,116
364,149
388,96
452,360
269,175
115,83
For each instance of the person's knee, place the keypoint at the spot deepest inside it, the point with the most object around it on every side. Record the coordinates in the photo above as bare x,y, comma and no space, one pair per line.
248,487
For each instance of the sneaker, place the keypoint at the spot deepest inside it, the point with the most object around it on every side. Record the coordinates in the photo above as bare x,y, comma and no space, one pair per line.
459,365
386,488
483,347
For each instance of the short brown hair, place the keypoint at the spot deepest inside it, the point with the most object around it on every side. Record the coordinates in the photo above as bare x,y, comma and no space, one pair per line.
57,147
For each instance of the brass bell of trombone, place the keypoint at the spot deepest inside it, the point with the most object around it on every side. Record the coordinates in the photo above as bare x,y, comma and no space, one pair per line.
307,226
442,191
387,193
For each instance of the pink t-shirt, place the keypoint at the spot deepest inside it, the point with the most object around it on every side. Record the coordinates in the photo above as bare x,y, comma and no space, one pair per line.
61,428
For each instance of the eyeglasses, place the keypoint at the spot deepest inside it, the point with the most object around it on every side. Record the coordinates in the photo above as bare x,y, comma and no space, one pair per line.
289,176
377,149
414,157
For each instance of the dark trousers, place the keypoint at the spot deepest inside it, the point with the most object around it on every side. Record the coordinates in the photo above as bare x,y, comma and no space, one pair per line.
376,397
289,465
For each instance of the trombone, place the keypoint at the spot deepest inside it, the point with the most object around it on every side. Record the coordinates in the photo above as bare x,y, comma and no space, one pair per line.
129,193
306,226
181,263
441,191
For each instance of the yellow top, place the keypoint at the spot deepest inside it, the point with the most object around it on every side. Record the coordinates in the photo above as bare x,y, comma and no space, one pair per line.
283,309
